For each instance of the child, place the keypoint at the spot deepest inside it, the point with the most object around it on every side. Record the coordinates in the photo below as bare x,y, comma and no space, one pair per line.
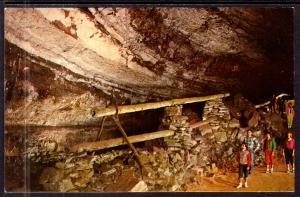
289,152
269,149
244,165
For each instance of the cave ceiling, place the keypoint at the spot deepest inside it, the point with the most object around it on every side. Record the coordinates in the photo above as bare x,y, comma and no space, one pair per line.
159,53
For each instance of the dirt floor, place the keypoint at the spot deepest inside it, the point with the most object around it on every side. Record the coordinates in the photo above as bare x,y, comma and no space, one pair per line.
279,180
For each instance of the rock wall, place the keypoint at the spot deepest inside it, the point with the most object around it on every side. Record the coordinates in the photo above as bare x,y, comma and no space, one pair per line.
170,163
189,154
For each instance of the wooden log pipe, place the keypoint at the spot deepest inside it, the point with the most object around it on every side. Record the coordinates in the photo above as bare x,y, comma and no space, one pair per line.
100,112
99,145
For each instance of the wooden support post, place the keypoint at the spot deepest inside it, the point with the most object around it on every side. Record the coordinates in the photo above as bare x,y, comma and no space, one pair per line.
99,112
117,121
100,132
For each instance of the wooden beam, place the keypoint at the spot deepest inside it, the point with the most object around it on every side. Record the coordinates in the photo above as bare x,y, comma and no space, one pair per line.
92,146
262,105
99,112
268,102
201,123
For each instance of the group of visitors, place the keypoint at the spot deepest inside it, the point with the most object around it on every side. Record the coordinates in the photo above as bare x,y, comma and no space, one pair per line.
251,145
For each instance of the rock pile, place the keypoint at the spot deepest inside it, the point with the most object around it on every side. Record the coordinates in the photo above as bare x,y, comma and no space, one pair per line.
45,150
203,149
186,156
48,145
215,109
161,169
101,172
84,172
217,141
174,120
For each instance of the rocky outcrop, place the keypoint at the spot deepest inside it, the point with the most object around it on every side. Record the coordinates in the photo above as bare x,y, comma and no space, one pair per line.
60,62
158,52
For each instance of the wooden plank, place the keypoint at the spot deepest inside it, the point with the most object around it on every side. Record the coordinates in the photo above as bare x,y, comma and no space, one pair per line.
99,112
262,105
268,102
201,123
92,146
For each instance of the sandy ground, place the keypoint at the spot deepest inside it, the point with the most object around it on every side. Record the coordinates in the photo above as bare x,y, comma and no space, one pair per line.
279,180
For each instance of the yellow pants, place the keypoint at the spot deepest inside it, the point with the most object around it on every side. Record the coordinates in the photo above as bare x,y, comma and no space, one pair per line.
290,121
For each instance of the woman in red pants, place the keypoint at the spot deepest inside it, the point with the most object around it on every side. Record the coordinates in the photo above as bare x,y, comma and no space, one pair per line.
269,148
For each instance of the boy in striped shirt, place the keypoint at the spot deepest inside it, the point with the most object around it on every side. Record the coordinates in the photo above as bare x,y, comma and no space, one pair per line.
252,146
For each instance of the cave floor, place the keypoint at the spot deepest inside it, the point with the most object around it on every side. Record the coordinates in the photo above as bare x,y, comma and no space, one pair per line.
279,180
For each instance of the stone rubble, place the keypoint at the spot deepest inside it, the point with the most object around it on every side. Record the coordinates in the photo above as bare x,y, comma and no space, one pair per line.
185,157
45,150
79,172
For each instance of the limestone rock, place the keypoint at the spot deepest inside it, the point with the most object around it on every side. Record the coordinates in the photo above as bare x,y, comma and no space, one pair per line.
206,129
140,187
66,185
221,136
234,123
50,178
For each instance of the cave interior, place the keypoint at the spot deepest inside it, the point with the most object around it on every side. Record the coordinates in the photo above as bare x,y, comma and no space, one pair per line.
63,63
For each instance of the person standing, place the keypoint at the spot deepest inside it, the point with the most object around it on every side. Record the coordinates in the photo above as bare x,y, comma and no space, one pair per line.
289,152
273,103
269,149
290,114
243,159
252,146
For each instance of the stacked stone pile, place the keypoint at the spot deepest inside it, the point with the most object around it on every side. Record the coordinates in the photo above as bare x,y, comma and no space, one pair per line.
84,172
202,149
174,120
215,108
163,172
179,145
217,141
189,154
49,145
162,169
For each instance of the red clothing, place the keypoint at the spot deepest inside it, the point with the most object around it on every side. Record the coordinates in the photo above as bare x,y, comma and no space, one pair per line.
290,144
266,144
244,157
269,158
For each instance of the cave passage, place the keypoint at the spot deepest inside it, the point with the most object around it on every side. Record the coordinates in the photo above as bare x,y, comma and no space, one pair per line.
189,83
